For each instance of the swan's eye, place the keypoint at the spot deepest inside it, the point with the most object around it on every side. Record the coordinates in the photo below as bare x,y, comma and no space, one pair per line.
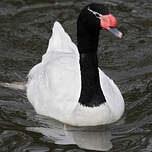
97,15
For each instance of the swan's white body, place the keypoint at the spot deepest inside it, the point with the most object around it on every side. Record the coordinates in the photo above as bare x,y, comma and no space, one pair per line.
54,86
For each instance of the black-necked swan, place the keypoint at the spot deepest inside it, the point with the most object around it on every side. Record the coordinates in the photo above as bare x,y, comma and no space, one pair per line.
67,84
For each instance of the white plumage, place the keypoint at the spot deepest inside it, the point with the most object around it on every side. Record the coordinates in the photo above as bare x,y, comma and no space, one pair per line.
54,86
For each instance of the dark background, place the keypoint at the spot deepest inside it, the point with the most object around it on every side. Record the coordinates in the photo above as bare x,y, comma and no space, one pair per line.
25,28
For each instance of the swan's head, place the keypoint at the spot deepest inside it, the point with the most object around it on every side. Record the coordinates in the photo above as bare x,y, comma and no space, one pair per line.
96,17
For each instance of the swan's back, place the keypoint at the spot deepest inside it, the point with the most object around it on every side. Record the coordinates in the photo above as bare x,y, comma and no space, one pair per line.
54,84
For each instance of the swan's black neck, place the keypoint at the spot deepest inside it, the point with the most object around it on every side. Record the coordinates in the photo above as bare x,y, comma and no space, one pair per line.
91,93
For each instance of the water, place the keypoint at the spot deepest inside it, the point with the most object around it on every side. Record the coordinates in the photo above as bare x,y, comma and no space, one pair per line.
25,27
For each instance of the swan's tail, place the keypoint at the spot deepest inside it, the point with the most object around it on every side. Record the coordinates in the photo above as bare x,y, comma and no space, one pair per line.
14,85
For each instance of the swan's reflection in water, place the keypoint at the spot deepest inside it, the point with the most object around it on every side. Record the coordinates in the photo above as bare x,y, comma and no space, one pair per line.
90,138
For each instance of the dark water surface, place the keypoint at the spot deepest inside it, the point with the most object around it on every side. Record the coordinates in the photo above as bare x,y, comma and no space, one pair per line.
25,27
